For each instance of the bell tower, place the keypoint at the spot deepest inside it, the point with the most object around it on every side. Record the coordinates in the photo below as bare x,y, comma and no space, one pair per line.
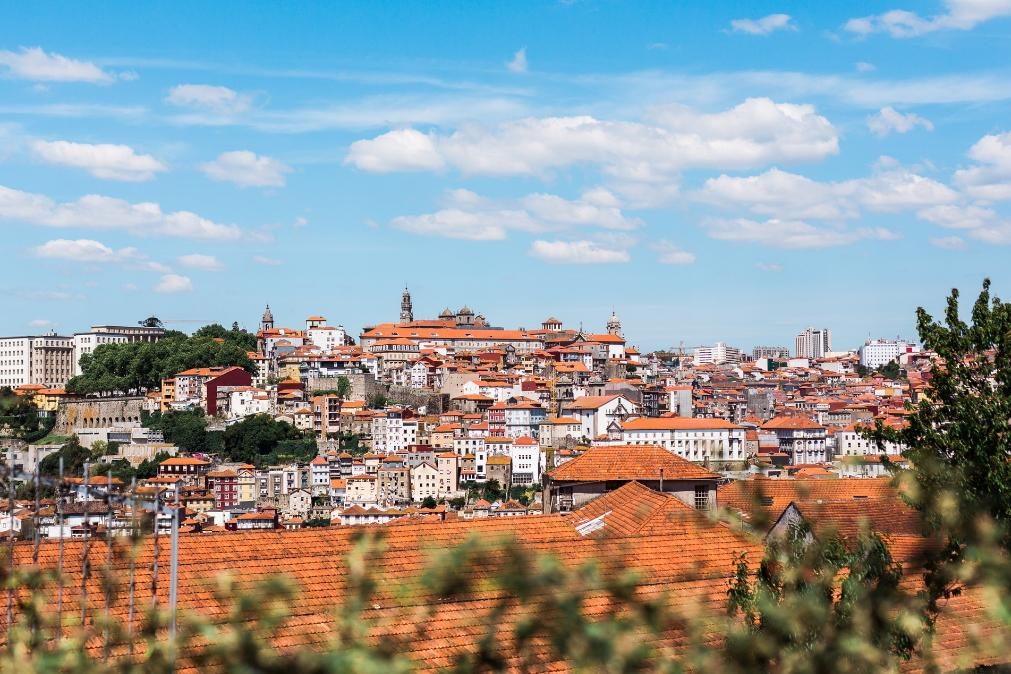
267,322
614,325
406,307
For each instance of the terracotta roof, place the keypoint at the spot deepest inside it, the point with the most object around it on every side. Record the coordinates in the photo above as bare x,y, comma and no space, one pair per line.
676,424
791,422
184,461
629,462
589,402
769,498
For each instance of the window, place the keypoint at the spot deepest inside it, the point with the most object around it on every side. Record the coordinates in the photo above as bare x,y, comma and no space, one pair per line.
701,497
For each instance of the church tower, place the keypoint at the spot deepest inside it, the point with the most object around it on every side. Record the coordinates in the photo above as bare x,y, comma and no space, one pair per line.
614,325
267,322
406,308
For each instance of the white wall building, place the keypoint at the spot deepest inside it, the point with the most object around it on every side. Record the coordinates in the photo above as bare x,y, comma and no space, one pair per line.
877,352
694,439
526,461
47,360
717,354
813,343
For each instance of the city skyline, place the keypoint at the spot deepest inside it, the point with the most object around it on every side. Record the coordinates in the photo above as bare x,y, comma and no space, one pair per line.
681,167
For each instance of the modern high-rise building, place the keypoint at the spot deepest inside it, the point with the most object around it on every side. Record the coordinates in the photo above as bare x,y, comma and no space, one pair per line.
814,343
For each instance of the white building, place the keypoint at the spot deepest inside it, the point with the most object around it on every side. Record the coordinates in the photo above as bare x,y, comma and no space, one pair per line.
694,439
596,413
393,431
87,342
323,336
813,343
717,354
47,360
424,481
526,461
319,476
877,352
850,442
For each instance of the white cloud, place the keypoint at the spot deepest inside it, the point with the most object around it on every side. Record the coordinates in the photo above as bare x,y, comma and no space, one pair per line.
756,132
216,99
518,64
888,119
789,233
948,242
106,161
268,261
201,261
954,216
94,211
246,168
960,15
85,250
41,323
468,215
990,179
32,63
576,252
174,283
790,196
769,266
669,253
763,26
865,67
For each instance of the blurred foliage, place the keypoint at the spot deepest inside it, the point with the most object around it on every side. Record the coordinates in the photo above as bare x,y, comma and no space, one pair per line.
815,604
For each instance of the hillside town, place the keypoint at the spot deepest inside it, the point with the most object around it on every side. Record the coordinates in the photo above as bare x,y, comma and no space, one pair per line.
446,418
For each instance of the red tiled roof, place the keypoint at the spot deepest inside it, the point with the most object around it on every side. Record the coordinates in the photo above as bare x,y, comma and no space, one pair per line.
629,462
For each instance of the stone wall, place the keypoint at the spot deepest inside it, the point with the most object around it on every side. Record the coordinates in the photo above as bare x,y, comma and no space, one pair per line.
97,413
365,386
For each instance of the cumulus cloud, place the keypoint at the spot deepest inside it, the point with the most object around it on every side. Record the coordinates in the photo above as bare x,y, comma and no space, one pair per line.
958,216
888,119
763,26
789,233
468,215
216,99
41,323
790,196
577,252
201,261
246,168
960,15
32,63
990,179
106,161
759,131
174,283
94,211
268,261
518,63
948,242
865,67
85,250
769,266
669,253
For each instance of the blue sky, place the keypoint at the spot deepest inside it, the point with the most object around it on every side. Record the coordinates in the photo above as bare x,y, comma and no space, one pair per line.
718,171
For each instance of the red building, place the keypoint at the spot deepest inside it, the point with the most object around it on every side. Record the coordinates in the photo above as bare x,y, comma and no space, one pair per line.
199,386
224,485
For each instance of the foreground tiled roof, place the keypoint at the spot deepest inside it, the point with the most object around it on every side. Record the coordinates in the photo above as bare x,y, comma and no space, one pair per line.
769,498
629,462
635,509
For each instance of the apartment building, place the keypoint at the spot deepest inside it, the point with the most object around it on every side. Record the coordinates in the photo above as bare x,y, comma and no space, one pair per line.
47,360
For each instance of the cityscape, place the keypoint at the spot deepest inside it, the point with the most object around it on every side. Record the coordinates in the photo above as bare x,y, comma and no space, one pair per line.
551,336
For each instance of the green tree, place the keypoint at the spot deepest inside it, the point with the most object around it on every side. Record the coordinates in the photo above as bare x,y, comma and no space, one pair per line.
958,435
343,387
428,502
148,468
256,438
187,429
139,366
74,457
